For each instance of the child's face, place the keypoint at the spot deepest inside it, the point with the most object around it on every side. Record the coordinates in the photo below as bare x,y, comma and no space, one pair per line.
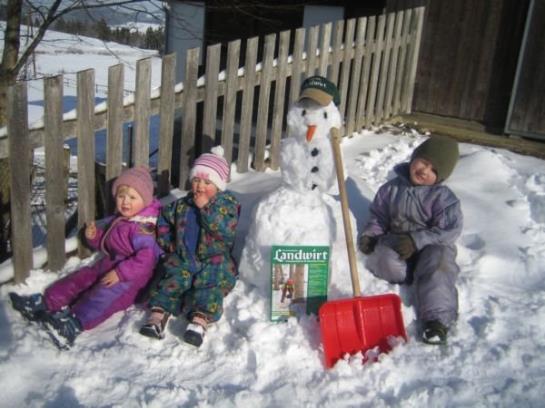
203,187
128,202
422,173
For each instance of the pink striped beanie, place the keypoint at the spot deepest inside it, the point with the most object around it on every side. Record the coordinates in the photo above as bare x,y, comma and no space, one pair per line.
213,167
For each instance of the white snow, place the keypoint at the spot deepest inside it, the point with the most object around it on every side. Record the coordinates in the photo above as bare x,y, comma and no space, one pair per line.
495,355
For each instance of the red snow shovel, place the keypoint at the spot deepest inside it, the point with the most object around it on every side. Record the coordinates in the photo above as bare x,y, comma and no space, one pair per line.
361,323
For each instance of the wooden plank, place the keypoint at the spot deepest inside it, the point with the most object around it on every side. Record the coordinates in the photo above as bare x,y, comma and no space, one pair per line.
54,172
413,58
336,52
211,97
20,159
86,151
311,50
400,74
230,99
166,125
347,62
388,103
324,49
375,70
384,67
247,105
355,77
264,100
361,115
279,98
189,115
297,64
114,149
141,112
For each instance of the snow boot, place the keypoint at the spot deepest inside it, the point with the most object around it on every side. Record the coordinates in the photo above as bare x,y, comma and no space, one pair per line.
63,327
31,307
194,333
434,333
156,325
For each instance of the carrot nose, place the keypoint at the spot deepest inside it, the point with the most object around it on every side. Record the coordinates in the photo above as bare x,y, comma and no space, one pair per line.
310,132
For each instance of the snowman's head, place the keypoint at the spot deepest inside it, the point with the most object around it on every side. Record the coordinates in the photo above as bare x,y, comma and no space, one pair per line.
309,120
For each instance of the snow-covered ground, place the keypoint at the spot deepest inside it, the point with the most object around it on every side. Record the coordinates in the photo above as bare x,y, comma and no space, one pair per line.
495,356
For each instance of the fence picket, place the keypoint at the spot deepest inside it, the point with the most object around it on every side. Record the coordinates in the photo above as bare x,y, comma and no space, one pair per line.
311,51
54,172
114,149
400,75
166,126
189,114
388,103
375,70
336,52
86,151
211,97
141,113
324,49
347,62
230,99
297,64
279,97
355,77
361,113
19,160
247,105
262,125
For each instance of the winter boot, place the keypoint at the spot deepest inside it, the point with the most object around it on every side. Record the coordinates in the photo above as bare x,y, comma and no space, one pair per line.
434,333
194,333
63,327
156,325
32,307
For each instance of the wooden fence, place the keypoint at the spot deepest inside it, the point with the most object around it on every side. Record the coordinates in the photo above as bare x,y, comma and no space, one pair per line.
371,59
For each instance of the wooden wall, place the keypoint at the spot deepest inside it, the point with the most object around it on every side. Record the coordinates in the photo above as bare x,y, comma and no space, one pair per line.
528,111
468,59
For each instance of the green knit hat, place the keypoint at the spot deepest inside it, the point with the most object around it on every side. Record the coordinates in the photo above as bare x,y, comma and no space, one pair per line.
442,152
320,90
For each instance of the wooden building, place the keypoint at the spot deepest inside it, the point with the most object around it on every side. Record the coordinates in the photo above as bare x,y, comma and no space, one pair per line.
481,61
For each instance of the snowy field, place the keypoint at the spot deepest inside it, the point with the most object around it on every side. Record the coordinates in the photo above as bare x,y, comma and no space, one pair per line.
495,356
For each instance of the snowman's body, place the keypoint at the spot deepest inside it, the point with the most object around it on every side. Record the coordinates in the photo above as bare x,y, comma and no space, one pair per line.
299,212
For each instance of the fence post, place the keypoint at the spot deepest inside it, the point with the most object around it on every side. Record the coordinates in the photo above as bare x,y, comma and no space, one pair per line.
141,112
54,177
19,159
166,126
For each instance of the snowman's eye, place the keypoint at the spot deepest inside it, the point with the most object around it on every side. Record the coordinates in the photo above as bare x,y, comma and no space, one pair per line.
304,112
325,115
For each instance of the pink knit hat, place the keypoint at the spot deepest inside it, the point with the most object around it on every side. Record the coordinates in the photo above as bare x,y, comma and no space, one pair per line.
139,179
213,167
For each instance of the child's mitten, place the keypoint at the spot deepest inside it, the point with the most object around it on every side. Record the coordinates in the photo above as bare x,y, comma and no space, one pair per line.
404,246
367,244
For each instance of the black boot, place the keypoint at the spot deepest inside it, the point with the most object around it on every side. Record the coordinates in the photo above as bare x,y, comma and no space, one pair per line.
434,332
32,307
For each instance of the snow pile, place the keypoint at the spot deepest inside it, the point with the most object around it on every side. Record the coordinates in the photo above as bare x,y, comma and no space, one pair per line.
495,355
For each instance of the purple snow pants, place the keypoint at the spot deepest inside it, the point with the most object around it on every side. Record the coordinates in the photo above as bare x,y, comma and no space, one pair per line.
89,300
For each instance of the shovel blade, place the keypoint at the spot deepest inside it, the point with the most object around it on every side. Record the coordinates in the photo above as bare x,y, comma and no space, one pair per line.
360,324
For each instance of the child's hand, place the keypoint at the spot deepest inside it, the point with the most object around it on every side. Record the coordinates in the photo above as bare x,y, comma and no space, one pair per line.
110,278
91,230
200,200
366,244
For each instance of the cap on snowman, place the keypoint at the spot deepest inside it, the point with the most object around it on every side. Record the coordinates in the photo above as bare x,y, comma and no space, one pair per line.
320,90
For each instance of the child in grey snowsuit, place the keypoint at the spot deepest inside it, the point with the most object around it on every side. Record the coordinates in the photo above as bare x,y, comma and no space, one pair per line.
411,233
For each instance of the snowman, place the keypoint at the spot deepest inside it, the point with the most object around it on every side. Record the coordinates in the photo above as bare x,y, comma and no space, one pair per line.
300,211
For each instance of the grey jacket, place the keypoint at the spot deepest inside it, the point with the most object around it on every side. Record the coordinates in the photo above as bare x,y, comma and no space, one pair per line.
430,214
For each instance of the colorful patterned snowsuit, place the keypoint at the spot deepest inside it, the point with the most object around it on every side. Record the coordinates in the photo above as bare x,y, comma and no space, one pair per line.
129,247
199,270
432,216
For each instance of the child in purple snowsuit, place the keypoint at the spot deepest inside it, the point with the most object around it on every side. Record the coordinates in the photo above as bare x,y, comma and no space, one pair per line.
411,233
197,233
90,295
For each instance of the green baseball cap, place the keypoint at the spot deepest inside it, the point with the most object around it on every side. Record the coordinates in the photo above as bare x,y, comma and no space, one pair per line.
320,90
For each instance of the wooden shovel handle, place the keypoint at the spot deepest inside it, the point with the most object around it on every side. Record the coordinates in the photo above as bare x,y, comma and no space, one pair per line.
335,144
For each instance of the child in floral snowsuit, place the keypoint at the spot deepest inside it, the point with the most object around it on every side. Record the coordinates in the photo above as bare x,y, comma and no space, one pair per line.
197,233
